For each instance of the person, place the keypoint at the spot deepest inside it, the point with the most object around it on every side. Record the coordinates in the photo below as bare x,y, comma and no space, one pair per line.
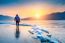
17,19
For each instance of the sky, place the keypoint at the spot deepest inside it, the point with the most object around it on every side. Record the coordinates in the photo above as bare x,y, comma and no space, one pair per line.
31,8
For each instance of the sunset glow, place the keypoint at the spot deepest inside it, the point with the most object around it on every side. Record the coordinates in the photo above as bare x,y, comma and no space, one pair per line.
35,10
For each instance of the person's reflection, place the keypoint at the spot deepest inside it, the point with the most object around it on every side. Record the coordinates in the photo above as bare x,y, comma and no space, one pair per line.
17,32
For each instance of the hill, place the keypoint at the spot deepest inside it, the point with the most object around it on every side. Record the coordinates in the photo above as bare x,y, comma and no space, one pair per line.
3,17
55,16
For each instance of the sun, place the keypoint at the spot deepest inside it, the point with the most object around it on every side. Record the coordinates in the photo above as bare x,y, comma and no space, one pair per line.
38,12
37,16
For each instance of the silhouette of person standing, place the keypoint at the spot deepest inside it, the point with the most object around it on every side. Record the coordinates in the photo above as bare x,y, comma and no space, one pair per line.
17,19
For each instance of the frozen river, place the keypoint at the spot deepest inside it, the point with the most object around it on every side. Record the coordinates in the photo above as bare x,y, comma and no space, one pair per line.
8,33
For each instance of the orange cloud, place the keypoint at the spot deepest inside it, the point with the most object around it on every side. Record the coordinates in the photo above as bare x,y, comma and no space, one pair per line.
32,10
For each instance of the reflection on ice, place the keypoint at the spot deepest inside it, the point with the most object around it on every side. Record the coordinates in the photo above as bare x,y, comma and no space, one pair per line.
17,34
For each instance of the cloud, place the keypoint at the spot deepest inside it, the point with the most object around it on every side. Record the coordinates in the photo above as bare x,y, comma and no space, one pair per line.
11,2
56,2
17,2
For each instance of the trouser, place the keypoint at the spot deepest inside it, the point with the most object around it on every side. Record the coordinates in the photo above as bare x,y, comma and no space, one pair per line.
17,23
